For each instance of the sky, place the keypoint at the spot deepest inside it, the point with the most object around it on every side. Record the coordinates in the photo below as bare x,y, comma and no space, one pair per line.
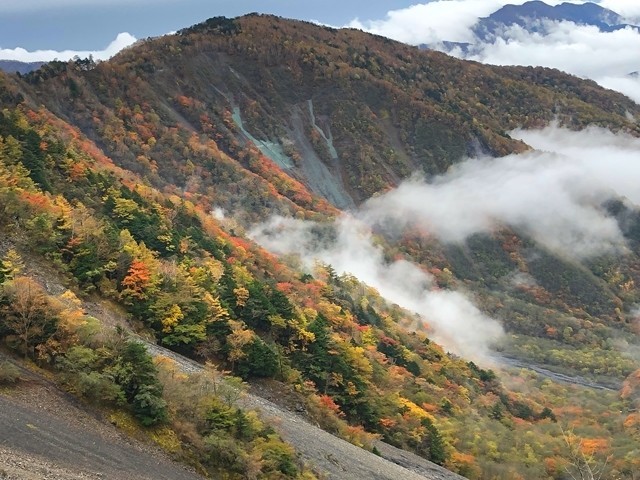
93,24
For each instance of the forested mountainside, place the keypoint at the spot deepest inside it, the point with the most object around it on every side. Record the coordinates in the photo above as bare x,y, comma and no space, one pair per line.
346,112
112,174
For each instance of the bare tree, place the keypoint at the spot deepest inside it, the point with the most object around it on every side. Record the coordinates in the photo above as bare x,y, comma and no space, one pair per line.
582,466
25,312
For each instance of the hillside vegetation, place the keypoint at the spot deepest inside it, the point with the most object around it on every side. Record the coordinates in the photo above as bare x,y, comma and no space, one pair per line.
111,173
369,110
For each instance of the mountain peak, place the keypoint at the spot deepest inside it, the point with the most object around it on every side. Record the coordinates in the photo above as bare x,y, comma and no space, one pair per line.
530,16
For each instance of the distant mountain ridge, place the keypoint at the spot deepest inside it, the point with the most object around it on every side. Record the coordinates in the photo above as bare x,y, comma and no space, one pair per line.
534,17
15,66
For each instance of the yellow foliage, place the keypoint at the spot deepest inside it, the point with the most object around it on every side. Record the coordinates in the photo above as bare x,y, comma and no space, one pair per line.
357,358
242,295
413,409
70,299
125,422
167,439
368,337
331,311
172,319
310,314
125,209
218,312
241,275
11,265
237,340
305,336
214,268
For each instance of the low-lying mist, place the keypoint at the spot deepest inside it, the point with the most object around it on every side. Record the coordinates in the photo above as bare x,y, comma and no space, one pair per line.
456,321
555,194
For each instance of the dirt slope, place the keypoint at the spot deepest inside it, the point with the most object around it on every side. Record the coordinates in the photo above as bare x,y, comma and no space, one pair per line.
43,435
334,457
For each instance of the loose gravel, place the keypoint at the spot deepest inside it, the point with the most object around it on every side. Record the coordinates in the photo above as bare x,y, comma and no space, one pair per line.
44,436
330,455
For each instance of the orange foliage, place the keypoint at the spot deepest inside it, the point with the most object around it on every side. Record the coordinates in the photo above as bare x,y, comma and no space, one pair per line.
138,278
77,171
551,465
36,200
458,458
630,385
632,421
589,446
573,410
388,423
285,287
327,402
185,101
429,407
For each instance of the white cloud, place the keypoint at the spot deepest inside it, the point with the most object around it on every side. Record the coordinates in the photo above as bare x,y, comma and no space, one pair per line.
431,22
629,9
584,51
555,194
123,40
606,57
630,86
455,320
581,50
218,213
435,21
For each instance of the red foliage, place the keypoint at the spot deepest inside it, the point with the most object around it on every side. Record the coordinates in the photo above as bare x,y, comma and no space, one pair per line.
285,287
138,278
327,402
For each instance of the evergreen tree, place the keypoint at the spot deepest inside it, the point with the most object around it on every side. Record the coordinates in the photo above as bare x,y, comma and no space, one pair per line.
11,266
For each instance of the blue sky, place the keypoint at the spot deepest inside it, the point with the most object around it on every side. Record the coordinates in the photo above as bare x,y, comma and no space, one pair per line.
93,24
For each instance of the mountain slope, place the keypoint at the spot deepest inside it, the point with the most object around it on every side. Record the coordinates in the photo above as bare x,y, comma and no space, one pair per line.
136,177
346,113
42,433
204,290
334,457
14,66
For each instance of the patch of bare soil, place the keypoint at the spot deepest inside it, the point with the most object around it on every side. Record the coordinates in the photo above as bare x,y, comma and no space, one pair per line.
333,457
46,434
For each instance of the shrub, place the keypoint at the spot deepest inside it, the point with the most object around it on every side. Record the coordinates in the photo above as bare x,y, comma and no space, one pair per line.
136,374
9,373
